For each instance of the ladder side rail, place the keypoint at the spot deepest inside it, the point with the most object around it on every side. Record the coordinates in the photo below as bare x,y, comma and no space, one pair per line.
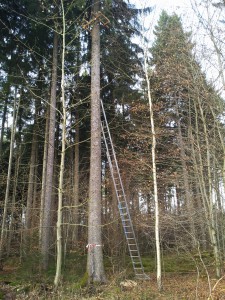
117,169
112,172
114,154
109,159
105,124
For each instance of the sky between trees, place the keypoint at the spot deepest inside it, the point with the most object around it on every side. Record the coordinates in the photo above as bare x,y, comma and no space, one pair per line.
194,15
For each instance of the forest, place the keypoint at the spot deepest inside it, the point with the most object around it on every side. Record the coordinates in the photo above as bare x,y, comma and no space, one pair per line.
112,150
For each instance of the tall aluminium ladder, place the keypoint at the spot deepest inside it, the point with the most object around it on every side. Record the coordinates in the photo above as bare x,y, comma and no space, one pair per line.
122,202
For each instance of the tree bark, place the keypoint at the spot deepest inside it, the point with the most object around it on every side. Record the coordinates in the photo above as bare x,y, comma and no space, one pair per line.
188,196
212,227
76,181
62,162
95,266
3,125
5,209
43,183
154,174
31,180
13,205
45,238
206,197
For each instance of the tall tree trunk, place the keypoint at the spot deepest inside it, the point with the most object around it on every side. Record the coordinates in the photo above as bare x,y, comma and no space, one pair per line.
5,209
43,183
35,205
31,181
212,228
206,197
3,125
76,181
46,221
154,174
13,206
187,188
62,162
95,266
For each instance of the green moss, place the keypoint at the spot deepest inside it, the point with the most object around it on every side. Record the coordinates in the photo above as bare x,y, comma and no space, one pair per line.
1,294
83,281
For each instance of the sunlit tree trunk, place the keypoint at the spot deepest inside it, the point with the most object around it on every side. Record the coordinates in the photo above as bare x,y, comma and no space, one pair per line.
62,162
154,174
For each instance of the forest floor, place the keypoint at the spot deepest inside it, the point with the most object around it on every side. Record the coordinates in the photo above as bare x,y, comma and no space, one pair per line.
183,278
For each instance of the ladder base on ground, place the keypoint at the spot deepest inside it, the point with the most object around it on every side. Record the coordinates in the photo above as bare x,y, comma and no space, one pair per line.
122,201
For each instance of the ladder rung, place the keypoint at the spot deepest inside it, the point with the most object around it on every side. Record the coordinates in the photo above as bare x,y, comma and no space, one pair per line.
139,270
121,197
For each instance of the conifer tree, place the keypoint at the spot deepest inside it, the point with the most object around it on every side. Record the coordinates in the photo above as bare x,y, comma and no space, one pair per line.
181,93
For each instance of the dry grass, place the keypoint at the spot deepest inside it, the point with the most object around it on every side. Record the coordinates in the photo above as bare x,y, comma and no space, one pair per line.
182,281
175,287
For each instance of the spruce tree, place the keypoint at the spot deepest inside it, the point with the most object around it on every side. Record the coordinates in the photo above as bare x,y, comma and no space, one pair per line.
182,99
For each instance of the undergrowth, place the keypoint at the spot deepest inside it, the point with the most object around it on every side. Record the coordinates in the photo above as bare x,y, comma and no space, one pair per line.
25,279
